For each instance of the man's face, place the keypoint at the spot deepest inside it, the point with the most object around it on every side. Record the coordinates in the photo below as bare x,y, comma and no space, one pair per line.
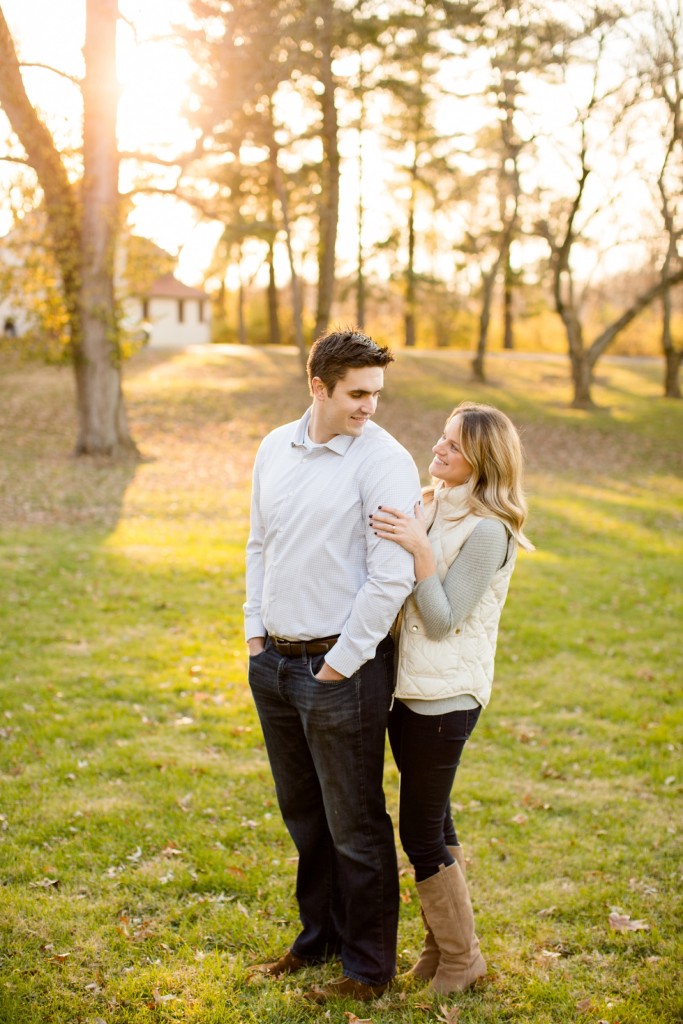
352,403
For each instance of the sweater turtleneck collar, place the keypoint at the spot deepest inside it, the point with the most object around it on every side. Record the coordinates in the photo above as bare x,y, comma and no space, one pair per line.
449,501
454,497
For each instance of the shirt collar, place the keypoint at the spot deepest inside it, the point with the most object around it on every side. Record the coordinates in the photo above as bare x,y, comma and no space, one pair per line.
340,443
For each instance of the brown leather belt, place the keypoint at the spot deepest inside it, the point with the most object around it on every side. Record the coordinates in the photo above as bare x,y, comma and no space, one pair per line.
297,648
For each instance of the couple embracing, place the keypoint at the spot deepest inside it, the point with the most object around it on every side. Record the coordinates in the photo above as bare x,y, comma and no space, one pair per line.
340,544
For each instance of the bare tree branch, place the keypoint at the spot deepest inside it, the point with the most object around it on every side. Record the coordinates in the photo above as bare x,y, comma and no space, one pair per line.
208,211
16,160
151,158
55,71
182,161
605,339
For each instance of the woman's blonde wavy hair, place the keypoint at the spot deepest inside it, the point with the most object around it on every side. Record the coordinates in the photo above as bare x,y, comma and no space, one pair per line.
490,443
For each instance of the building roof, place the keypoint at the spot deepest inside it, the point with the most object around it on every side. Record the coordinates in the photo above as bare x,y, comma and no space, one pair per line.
168,286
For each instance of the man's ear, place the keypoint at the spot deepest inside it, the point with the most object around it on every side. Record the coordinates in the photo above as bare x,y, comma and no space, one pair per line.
318,389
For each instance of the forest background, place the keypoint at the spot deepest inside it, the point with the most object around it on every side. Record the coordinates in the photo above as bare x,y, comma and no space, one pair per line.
468,173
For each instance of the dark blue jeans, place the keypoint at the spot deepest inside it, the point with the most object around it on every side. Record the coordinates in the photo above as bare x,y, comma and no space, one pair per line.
325,742
427,750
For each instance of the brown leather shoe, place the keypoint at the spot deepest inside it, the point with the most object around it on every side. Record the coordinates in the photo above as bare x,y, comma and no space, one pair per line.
346,988
287,964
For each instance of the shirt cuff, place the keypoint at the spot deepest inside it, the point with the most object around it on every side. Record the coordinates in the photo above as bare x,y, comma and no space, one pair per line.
343,661
253,626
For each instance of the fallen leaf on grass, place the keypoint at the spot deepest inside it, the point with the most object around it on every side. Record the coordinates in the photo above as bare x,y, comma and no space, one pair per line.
585,1005
623,923
451,1014
58,958
520,819
237,872
44,883
352,1019
160,1000
171,850
551,954
546,912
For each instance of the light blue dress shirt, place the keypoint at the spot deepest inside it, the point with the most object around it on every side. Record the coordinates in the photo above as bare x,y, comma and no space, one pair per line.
314,566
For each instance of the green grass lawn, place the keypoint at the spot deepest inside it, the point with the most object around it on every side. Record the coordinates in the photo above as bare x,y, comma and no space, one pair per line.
143,863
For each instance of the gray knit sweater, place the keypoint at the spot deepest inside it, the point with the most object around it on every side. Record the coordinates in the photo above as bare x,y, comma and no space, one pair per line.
443,606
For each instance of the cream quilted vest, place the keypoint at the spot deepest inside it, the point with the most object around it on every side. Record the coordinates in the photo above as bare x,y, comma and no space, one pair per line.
463,661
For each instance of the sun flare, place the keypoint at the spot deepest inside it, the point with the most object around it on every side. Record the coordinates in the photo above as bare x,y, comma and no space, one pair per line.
155,88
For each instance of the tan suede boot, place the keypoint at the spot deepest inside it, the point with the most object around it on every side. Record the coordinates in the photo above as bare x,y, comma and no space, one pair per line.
426,964
446,904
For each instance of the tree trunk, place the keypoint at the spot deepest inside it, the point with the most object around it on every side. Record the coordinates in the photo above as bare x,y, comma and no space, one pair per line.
61,202
360,269
411,297
83,233
103,429
583,359
241,302
329,211
579,359
672,384
273,313
582,378
297,307
508,316
509,219
360,275
488,284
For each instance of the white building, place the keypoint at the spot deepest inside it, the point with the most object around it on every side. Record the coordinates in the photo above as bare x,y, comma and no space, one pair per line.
171,313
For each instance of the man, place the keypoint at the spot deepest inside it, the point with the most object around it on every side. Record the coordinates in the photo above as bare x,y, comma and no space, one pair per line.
322,593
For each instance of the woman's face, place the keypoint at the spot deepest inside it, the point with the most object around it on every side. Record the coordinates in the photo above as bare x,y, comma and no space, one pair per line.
449,464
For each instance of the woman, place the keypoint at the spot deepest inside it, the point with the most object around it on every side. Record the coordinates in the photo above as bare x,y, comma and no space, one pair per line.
464,548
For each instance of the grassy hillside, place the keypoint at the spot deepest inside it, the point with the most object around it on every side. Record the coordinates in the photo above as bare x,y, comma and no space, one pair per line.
143,864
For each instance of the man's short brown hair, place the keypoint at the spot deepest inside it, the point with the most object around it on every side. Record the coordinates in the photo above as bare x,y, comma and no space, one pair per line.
338,351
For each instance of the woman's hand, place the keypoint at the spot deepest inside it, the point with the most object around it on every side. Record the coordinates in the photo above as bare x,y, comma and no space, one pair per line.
392,524
411,534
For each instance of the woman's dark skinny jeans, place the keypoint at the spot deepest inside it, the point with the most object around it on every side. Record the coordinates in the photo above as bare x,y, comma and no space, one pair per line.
427,750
